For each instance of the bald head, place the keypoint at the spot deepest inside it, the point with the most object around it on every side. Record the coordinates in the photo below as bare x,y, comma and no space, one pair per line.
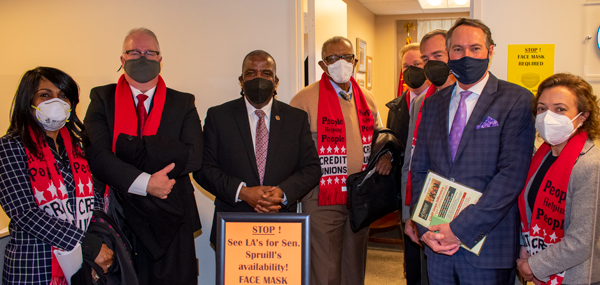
139,31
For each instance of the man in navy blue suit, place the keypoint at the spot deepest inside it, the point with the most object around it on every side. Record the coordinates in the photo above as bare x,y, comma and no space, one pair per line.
479,133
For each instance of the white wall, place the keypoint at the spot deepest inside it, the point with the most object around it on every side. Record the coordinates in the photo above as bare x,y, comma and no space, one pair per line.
203,43
557,22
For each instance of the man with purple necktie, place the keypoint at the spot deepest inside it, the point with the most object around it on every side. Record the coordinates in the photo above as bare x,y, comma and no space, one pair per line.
480,133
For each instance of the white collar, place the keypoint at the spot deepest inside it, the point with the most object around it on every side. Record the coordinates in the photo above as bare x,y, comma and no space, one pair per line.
266,108
477,88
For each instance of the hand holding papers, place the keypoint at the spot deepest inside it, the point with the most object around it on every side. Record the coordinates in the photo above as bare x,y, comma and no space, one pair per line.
440,202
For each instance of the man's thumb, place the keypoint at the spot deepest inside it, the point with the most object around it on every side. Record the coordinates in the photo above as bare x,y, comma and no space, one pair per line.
168,168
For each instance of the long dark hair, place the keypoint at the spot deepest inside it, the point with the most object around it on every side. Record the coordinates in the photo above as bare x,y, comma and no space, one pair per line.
23,117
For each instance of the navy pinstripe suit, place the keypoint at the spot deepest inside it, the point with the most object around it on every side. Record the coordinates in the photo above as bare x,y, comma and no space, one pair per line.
492,160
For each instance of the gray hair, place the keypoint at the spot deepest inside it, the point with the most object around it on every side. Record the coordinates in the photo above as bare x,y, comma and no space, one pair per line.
143,31
334,40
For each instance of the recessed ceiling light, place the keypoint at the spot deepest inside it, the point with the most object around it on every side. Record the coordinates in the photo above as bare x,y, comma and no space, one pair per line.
434,2
460,2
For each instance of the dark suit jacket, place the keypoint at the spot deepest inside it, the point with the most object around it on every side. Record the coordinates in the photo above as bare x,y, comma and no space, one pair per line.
292,160
492,160
399,117
398,121
179,127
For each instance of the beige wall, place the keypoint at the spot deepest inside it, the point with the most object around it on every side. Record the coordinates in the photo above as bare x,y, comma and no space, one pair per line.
203,44
361,24
386,54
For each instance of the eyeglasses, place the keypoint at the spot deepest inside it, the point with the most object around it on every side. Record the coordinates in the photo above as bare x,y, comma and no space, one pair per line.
149,54
333,58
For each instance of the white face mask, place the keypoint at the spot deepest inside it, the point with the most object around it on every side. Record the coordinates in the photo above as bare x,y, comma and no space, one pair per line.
340,71
555,128
53,114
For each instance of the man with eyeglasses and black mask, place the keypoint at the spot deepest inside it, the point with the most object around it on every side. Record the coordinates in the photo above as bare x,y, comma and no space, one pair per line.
398,121
435,57
342,117
144,141
478,132
258,152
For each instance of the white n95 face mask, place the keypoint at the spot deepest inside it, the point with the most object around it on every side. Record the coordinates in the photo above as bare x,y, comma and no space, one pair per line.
340,71
53,114
555,128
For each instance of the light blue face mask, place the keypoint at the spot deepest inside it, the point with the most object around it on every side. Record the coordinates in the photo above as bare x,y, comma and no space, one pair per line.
53,114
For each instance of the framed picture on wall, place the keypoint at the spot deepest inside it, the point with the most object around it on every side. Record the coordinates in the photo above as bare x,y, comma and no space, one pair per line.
369,74
361,54
361,82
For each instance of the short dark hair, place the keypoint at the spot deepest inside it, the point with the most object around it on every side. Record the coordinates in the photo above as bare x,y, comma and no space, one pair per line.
430,35
335,40
473,23
586,100
23,117
260,53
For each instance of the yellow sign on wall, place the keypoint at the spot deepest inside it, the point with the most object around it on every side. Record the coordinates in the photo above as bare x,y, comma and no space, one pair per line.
528,65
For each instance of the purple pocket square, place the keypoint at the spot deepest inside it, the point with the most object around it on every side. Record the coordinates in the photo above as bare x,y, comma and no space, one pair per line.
488,123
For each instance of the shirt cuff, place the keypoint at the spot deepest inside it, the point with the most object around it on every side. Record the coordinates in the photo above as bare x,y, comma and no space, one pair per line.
140,184
237,193
284,201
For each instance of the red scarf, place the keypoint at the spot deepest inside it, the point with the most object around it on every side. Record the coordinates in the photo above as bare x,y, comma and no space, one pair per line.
548,213
51,194
331,143
126,116
430,92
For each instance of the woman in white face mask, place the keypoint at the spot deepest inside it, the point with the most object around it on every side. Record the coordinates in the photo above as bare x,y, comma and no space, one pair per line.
558,205
46,186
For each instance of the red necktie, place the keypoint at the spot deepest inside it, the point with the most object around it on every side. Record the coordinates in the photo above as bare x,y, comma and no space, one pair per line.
141,113
262,142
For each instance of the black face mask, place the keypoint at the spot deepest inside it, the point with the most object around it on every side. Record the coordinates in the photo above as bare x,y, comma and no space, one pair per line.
437,72
414,77
468,70
259,90
142,70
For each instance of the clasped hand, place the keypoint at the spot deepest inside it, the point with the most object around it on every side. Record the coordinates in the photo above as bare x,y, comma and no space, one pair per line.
264,199
444,241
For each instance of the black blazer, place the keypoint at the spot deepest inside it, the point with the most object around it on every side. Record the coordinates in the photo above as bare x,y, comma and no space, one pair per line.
180,127
292,160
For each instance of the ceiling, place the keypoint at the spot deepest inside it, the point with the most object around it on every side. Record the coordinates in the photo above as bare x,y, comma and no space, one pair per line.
399,7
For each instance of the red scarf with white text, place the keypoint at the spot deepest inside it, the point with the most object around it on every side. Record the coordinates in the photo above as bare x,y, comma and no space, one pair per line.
331,140
51,194
430,92
548,213
126,117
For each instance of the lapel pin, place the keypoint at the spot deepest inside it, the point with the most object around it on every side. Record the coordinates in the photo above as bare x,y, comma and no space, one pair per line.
277,118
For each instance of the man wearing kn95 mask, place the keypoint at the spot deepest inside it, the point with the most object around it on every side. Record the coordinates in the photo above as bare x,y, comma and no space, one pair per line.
342,117
145,139
478,132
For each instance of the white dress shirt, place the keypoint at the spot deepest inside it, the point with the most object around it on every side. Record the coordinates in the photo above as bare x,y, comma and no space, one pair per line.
470,101
140,184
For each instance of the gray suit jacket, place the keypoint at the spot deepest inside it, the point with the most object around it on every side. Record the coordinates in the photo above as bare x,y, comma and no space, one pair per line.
573,252
408,153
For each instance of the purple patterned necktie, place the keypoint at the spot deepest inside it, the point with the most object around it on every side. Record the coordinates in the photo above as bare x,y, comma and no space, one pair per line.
458,124
262,142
